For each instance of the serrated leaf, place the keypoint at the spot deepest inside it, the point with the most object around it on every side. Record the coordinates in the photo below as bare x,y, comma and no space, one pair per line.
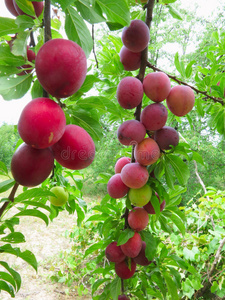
80,215
97,217
178,65
14,237
7,26
9,59
26,255
115,288
176,220
198,104
77,30
14,273
36,90
33,213
169,176
116,11
188,70
15,88
24,22
6,185
125,236
19,47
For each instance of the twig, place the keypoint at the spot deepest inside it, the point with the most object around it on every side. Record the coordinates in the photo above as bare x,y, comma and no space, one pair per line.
148,64
207,284
93,38
11,198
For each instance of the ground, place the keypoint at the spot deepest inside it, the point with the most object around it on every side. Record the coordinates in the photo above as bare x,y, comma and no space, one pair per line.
46,243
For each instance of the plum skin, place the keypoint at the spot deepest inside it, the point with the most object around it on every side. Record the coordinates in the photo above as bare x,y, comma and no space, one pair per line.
61,67
147,152
157,86
41,123
134,175
141,258
131,132
123,271
165,137
76,149
138,218
136,37
131,60
154,116
133,246
180,100
114,253
38,8
30,166
116,188
11,8
121,162
129,92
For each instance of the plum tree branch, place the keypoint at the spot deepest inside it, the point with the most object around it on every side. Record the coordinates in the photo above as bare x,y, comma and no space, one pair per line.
148,64
10,198
93,38
47,28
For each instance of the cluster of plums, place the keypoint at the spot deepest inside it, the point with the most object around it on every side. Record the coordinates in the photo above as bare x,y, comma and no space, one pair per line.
61,68
149,136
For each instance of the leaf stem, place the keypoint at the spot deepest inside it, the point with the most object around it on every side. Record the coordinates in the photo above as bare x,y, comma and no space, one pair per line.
11,198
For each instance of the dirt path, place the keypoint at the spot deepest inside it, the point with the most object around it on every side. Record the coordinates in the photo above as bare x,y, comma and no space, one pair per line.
45,243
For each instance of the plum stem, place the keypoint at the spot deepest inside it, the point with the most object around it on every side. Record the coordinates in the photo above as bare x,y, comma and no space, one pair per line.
10,198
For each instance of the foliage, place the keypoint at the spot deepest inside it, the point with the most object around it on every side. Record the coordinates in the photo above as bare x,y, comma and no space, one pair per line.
179,241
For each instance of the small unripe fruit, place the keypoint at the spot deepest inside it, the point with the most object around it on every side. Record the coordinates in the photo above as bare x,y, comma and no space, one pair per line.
140,197
61,196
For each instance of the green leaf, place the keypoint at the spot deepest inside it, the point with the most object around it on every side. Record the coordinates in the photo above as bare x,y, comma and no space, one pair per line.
93,248
115,288
3,168
174,13
7,26
6,185
181,170
91,13
188,70
15,88
24,22
27,255
9,59
33,213
97,217
169,176
176,220
198,104
179,65
172,288
80,215
7,277
7,287
77,30
116,11
125,236
14,237
33,193
26,7
36,90
14,273
151,245
19,47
